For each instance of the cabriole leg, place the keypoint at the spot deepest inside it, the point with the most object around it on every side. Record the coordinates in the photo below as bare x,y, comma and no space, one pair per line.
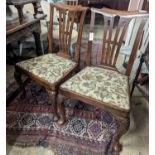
123,126
17,76
53,98
61,109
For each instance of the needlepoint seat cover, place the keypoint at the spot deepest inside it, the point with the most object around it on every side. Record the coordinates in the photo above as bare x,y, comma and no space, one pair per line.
49,67
104,85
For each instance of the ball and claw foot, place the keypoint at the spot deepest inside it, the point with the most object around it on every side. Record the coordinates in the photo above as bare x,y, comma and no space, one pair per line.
61,121
55,118
118,148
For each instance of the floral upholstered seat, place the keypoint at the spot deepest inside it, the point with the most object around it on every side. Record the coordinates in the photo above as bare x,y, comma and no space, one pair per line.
101,84
49,67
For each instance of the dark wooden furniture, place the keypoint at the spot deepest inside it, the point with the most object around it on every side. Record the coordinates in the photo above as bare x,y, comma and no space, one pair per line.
50,70
136,82
103,85
16,31
19,4
145,5
113,4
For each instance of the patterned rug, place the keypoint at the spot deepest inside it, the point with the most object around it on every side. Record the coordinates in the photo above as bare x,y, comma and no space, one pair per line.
88,131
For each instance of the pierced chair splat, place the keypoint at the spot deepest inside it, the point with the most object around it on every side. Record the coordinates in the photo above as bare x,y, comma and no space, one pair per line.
101,84
50,70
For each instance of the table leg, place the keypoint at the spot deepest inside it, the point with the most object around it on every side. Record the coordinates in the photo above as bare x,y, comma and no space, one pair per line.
61,109
38,43
135,82
35,8
10,55
20,12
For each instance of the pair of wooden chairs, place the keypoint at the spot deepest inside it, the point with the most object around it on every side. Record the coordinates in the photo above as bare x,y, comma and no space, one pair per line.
102,85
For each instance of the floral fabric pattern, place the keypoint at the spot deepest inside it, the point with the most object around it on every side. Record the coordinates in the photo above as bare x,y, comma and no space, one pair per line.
48,67
101,84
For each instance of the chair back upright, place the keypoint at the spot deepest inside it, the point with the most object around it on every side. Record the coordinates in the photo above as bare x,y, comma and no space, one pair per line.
66,21
115,24
140,43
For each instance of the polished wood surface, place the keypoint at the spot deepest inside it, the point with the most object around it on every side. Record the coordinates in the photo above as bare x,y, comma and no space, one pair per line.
108,59
19,4
16,31
15,25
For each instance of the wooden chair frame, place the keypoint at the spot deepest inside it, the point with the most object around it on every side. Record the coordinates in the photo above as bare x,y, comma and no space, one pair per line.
106,61
71,2
143,60
65,39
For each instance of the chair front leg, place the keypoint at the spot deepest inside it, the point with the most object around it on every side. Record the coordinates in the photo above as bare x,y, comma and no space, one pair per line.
17,76
123,126
61,109
53,98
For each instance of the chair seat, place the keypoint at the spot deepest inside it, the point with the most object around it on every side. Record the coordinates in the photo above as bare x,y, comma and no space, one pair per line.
49,67
104,85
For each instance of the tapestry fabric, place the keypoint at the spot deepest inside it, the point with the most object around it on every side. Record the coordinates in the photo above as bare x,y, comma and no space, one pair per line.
101,84
48,67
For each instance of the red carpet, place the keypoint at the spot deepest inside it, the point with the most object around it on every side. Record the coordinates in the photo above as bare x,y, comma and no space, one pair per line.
88,131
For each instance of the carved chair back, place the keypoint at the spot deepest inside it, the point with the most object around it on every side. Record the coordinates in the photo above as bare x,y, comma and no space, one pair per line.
66,19
115,24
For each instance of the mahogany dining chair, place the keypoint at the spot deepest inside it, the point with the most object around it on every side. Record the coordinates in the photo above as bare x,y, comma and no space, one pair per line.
101,84
52,69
